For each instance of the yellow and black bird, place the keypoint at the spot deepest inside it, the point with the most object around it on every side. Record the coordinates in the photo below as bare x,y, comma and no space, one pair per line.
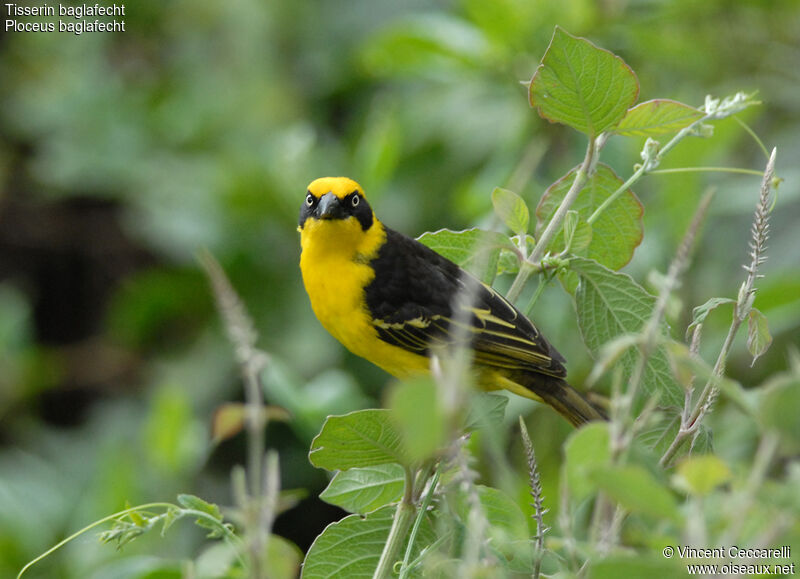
392,300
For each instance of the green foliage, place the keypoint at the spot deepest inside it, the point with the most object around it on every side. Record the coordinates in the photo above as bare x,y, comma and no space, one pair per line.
475,250
362,490
511,208
699,475
352,547
609,239
357,440
418,414
615,469
611,305
657,117
637,490
582,86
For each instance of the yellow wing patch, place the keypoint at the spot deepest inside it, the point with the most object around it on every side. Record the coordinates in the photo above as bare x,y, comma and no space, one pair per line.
496,342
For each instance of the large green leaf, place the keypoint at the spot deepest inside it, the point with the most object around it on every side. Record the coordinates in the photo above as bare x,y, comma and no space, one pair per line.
356,440
475,250
581,85
778,402
636,489
700,475
485,410
586,450
419,417
508,528
352,547
362,490
616,232
610,304
657,117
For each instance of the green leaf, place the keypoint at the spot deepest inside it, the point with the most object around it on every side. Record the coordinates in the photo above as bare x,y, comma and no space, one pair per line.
686,366
779,400
418,416
356,440
475,250
661,429
699,475
586,450
577,233
217,529
485,410
284,558
581,85
506,519
657,117
636,489
617,231
352,547
700,313
610,304
362,490
511,209
507,523
758,336
197,504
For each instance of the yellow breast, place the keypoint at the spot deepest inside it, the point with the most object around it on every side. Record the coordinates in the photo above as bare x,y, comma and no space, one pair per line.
335,266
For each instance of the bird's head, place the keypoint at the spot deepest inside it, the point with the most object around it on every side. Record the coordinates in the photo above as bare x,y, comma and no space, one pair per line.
335,211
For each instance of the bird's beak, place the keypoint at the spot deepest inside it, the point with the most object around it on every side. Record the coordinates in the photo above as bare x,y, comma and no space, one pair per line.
330,207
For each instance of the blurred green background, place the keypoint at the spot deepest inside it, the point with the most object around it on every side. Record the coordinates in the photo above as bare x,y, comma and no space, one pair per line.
122,155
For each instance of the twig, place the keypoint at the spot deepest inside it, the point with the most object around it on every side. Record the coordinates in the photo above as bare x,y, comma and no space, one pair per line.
744,304
259,501
671,282
426,503
581,178
403,517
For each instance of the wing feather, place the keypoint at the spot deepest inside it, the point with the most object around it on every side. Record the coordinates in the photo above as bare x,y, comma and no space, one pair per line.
417,302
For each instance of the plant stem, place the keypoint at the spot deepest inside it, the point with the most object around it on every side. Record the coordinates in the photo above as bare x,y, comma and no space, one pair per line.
525,271
406,569
229,535
690,426
402,521
581,178
403,517
543,281
613,197
530,265
744,305
648,166
738,170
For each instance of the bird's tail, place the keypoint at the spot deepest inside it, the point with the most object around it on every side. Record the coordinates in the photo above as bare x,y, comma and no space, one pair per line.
567,401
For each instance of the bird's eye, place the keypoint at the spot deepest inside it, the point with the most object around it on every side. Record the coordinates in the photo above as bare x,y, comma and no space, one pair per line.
309,200
355,200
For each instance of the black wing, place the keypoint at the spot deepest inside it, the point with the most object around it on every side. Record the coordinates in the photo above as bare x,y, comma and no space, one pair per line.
421,301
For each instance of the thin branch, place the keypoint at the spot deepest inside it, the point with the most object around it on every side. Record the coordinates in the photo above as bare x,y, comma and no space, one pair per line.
426,503
403,518
744,304
581,178
260,499
735,170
